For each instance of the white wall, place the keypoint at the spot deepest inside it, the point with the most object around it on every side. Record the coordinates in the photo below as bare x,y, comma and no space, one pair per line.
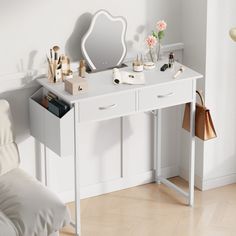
209,49
193,25
220,153
28,30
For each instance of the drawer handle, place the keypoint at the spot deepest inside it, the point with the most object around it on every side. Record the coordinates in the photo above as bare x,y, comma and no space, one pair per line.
165,95
108,107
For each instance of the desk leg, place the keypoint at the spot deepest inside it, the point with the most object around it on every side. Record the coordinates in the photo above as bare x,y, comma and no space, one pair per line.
157,145
192,147
76,172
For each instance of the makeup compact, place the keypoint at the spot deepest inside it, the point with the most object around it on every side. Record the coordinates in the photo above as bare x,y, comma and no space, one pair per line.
149,65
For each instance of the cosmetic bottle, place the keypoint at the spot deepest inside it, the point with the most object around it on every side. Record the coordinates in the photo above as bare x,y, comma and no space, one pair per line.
138,64
82,69
65,65
171,60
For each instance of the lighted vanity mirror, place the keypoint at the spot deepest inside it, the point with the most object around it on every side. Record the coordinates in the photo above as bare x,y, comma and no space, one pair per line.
103,46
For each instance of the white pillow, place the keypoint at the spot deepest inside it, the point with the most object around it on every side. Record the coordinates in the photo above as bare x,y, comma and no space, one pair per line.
6,226
9,156
32,209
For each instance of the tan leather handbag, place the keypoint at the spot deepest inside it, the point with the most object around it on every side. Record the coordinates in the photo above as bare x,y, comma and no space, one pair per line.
204,128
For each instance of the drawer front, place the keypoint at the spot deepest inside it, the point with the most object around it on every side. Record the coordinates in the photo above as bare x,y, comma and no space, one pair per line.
165,95
107,107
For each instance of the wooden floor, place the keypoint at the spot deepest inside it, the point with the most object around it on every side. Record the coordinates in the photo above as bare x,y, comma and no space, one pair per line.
155,210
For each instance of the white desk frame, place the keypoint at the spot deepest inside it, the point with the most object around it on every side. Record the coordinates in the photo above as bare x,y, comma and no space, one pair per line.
167,77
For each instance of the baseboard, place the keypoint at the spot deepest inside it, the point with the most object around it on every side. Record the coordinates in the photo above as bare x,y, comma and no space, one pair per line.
145,178
170,171
206,184
183,173
118,184
219,181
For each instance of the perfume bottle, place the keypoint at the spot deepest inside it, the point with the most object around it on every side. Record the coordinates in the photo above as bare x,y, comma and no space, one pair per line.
171,60
65,60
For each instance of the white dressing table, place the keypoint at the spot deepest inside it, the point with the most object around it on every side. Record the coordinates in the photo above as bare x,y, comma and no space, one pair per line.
103,101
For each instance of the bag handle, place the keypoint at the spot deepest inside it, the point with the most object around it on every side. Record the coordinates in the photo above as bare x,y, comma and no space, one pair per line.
201,98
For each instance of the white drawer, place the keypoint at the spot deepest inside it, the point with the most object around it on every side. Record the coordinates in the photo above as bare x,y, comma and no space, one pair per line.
165,95
106,107
56,133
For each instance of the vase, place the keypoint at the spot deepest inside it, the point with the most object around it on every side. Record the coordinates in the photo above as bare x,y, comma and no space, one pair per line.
153,54
159,53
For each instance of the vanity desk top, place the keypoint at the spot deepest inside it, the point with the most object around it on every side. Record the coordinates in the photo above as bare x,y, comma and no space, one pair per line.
101,84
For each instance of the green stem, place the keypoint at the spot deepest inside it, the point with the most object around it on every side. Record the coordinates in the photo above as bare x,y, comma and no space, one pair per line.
150,51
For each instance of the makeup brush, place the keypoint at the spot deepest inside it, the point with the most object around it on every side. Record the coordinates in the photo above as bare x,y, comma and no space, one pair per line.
49,64
56,49
51,54
59,61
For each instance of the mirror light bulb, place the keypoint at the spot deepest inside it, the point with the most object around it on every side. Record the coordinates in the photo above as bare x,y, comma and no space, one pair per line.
232,34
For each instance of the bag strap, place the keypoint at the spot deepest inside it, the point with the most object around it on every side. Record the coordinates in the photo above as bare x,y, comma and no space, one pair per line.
201,97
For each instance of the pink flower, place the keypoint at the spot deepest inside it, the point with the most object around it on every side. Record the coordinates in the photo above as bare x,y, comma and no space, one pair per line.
161,25
151,41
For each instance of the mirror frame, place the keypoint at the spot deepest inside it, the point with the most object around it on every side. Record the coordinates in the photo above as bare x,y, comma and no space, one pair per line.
89,32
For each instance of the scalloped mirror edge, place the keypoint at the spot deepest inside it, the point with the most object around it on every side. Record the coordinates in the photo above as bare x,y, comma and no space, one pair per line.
88,33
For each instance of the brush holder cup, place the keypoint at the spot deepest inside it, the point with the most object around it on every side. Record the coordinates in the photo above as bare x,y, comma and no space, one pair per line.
54,75
50,72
